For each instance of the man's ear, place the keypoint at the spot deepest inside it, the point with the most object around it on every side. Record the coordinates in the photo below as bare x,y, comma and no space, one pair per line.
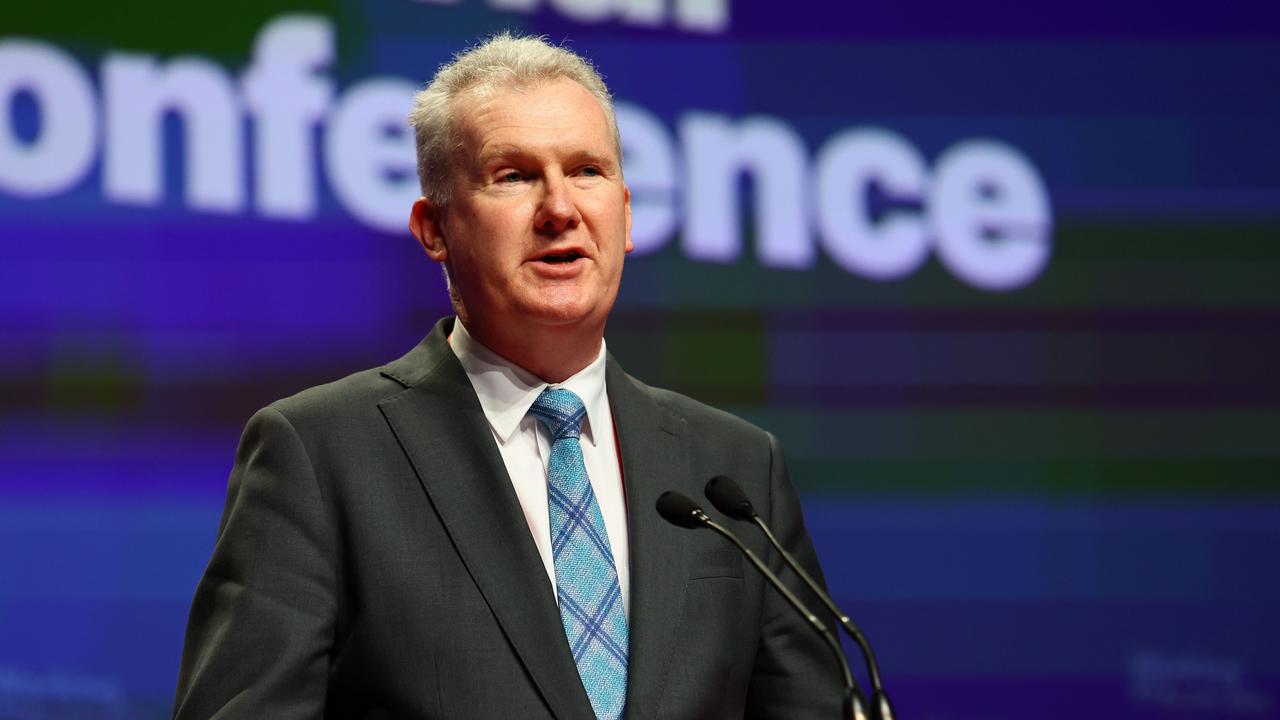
626,207
425,224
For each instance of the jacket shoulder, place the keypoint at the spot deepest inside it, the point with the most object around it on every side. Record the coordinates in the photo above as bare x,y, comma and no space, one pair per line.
700,417
358,391
356,396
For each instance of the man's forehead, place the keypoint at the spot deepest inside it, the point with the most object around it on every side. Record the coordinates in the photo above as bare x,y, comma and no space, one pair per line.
506,119
486,95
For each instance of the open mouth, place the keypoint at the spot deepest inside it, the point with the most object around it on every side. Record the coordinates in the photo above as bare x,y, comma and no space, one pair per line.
560,259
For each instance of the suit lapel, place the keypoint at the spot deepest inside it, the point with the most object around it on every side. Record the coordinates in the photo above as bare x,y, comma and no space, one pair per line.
441,426
653,453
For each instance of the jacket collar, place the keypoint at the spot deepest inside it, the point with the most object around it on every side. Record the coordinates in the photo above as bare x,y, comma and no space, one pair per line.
442,428
440,424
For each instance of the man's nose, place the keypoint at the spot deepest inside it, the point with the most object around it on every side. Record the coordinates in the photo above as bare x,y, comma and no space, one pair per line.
557,211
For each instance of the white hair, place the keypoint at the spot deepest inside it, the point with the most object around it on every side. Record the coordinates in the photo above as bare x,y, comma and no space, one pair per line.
502,61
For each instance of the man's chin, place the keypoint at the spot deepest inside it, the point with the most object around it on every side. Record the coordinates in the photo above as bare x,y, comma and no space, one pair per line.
564,320
563,316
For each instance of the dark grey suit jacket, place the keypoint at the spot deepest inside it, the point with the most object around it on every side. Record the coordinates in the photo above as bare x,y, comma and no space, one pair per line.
373,562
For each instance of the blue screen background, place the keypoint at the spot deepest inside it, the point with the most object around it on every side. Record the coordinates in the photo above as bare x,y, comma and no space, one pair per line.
1055,501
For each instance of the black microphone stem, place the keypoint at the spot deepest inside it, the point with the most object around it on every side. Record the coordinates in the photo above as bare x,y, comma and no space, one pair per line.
852,709
845,621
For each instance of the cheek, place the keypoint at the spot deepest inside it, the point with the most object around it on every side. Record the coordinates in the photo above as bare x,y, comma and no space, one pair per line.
502,224
606,211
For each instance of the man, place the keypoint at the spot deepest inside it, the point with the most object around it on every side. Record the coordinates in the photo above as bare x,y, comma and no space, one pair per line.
469,531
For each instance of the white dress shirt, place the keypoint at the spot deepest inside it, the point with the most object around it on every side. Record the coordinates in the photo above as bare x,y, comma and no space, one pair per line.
506,393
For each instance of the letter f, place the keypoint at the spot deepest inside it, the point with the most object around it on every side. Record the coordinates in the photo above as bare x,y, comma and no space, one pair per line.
286,100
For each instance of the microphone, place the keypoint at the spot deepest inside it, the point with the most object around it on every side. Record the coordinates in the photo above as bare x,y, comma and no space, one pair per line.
679,510
729,499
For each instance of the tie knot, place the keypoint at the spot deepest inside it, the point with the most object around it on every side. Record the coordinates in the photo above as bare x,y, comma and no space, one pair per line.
560,411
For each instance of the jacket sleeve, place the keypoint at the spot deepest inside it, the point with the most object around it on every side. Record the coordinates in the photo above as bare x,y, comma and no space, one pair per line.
795,675
262,622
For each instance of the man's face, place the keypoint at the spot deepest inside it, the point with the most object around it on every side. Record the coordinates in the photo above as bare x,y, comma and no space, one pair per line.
538,219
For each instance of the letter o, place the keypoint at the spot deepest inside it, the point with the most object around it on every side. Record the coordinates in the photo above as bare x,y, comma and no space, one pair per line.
63,150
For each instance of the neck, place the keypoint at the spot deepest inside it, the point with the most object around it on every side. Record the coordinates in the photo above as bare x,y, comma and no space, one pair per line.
553,353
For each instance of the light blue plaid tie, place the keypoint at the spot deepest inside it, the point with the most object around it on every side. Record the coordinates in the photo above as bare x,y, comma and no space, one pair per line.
586,579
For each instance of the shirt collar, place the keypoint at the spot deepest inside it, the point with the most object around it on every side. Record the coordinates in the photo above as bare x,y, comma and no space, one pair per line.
507,391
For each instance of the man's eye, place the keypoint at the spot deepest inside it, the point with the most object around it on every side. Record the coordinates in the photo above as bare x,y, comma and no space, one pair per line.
591,171
512,177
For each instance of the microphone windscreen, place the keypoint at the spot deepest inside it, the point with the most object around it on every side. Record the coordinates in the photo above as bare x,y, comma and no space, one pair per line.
729,499
679,510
